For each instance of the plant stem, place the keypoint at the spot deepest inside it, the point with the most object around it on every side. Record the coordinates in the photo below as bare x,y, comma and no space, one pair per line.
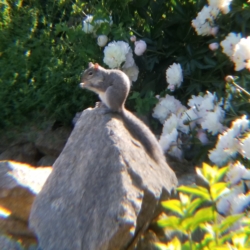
240,88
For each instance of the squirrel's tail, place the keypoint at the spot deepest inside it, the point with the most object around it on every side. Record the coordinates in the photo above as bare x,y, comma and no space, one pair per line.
143,134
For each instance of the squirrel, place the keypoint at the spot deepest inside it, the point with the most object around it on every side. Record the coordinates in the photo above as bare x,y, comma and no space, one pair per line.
113,87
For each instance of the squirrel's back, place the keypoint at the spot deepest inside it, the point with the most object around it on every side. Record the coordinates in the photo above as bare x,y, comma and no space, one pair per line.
143,134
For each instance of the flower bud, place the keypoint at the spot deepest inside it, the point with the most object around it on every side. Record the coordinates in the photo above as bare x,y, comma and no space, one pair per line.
133,38
213,46
229,79
102,40
140,47
214,31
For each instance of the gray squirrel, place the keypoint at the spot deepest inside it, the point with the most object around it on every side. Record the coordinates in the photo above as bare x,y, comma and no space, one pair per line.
113,87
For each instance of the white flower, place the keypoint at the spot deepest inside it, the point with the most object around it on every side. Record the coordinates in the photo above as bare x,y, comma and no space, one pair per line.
188,120
174,76
132,72
175,152
102,40
226,147
240,203
165,107
195,101
204,21
129,62
214,30
115,54
212,123
223,5
236,173
228,144
241,53
239,126
140,47
167,139
226,205
229,43
202,136
100,21
245,147
213,46
208,102
133,38
247,64
86,24
170,124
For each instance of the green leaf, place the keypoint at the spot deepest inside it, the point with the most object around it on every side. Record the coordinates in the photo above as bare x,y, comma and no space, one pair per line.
218,189
201,216
197,191
161,246
229,221
169,222
173,205
220,173
173,244
194,205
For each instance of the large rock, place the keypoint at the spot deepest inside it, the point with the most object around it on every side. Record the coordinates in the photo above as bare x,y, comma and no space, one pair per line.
103,191
25,152
19,185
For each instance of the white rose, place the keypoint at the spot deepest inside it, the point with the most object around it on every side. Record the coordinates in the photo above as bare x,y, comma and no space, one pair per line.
140,47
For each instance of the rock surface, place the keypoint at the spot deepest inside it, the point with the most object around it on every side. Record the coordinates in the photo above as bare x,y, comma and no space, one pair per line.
103,191
25,152
19,185
51,142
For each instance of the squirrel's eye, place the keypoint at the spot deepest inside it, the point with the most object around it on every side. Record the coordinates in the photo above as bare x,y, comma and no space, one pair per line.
90,73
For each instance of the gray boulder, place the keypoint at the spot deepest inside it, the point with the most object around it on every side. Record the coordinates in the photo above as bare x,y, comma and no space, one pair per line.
19,184
103,191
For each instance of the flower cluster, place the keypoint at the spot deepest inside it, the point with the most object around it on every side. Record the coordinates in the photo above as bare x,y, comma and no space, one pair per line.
230,143
117,53
204,114
228,44
89,26
204,23
235,200
174,76
238,49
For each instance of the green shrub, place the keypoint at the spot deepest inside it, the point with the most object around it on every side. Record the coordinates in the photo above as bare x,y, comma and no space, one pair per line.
224,224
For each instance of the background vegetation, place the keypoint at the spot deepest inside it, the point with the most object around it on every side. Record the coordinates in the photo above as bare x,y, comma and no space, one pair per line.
43,51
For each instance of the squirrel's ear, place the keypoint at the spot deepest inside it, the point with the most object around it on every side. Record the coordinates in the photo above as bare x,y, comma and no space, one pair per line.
91,64
96,66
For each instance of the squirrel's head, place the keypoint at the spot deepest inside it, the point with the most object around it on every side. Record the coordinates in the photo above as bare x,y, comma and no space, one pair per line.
92,75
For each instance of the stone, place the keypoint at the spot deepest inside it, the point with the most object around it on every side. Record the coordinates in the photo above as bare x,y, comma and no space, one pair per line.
51,142
103,191
7,243
24,152
19,185
46,160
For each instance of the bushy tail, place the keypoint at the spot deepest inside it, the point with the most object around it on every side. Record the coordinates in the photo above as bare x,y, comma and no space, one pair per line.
143,134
